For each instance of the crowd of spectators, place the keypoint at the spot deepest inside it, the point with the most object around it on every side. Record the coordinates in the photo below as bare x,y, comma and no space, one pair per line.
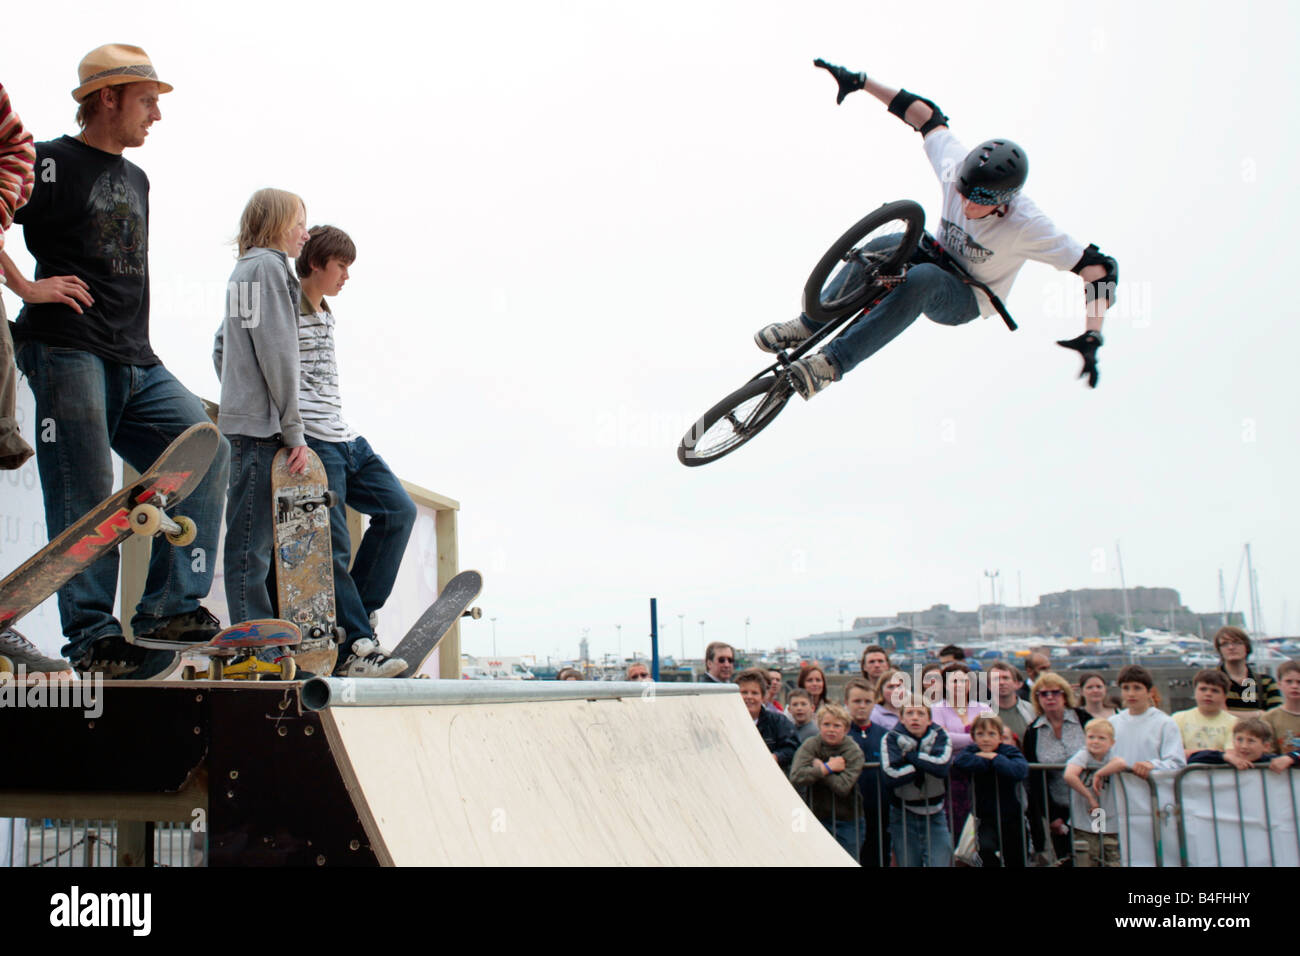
1004,768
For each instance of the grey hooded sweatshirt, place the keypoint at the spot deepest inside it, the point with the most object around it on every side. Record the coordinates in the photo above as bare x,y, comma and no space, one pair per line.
256,350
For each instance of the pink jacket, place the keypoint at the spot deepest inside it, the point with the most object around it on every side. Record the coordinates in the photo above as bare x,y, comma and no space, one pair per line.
947,718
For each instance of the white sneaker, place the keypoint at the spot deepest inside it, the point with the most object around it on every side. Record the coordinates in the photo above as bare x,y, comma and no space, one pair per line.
812,373
782,335
368,659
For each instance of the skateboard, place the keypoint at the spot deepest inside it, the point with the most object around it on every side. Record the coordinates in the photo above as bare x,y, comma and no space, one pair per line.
304,560
139,508
233,652
452,604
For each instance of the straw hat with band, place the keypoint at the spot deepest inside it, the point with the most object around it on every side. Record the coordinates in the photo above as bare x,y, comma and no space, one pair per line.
113,65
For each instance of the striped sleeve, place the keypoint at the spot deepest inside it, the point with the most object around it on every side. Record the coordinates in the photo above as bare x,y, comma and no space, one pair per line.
17,162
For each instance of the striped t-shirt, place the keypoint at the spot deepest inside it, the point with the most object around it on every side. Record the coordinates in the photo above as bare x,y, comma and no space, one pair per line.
319,401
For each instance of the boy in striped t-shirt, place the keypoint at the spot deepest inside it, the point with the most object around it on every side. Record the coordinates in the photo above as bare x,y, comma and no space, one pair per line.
357,475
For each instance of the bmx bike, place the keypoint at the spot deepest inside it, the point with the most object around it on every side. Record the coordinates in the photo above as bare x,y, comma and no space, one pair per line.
861,268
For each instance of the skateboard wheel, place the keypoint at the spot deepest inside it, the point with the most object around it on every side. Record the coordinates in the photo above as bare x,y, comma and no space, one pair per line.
474,612
6,665
216,667
288,669
188,672
340,635
331,499
189,531
146,520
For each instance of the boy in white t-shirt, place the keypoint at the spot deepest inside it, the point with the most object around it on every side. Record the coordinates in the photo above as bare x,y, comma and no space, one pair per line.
988,228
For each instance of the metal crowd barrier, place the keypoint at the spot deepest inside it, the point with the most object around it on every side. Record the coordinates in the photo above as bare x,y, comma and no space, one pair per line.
83,843
1268,826
1030,846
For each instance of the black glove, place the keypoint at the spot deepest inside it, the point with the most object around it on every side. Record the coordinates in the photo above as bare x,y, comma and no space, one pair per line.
849,82
1086,345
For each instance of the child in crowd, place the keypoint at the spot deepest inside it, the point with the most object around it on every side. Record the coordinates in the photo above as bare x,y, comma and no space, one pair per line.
359,478
1252,744
1096,835
1285,718
830,764
914,761
1249,691
859,699
800,709
892,690
996,772
1145,737
1208,725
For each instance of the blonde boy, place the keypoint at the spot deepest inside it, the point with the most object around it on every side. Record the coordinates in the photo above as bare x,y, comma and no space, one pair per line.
1094,816
829,765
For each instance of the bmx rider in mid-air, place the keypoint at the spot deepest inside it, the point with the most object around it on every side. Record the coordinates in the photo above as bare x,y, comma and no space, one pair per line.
988,226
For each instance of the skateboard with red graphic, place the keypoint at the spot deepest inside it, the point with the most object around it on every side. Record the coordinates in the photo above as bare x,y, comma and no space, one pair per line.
233,652
140,508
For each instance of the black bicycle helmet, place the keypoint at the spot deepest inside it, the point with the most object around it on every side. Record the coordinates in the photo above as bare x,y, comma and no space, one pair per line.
993,172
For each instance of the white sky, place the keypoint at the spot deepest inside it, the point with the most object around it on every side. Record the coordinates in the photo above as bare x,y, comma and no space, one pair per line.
571,217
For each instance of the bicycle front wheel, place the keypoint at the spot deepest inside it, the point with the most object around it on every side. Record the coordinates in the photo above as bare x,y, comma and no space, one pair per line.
734,420
843,281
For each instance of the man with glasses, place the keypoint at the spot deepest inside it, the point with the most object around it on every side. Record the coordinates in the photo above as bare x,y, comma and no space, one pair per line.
1248,692
719,664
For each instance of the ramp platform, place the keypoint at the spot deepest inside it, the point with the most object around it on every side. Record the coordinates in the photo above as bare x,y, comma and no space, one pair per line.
416,772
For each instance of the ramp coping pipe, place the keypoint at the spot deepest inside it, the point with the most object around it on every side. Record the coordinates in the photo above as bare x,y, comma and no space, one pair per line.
321,692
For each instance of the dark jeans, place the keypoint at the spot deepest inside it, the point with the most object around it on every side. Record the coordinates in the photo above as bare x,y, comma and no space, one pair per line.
361,479
86,408
1009,838
929,289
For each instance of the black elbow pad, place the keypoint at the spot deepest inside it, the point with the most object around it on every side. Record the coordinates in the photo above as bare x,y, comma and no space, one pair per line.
1104,287
899,104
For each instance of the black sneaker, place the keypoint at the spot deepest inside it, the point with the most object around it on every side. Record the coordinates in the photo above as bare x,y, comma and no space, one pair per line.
114,658
182,631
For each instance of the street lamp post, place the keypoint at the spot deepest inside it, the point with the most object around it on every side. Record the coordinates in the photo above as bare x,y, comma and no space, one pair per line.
494,636
681,632
619,628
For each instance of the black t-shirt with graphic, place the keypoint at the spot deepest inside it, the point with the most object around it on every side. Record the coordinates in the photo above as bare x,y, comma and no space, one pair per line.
89,217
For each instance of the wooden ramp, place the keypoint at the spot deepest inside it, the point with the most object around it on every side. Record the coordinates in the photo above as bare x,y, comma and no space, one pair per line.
461,773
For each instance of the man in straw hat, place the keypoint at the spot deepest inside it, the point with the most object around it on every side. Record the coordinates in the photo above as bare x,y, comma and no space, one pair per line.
82,340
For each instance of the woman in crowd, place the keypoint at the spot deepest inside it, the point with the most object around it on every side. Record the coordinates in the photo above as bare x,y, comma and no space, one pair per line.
1094,690
893,690
813,679
1055,736
955,714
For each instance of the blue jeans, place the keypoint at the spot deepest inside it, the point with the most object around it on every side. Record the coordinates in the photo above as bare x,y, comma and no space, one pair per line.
929,289
361,479
250,532
848,834
86,408
920,840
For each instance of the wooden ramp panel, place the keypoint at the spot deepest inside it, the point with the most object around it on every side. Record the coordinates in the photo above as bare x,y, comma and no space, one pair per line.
668,779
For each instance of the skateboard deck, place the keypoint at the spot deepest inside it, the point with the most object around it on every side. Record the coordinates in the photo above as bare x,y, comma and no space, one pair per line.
139,508
233,652
304,560
454,602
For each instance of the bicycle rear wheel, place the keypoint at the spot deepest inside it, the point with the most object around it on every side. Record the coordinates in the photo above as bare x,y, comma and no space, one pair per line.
735,420
878,244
